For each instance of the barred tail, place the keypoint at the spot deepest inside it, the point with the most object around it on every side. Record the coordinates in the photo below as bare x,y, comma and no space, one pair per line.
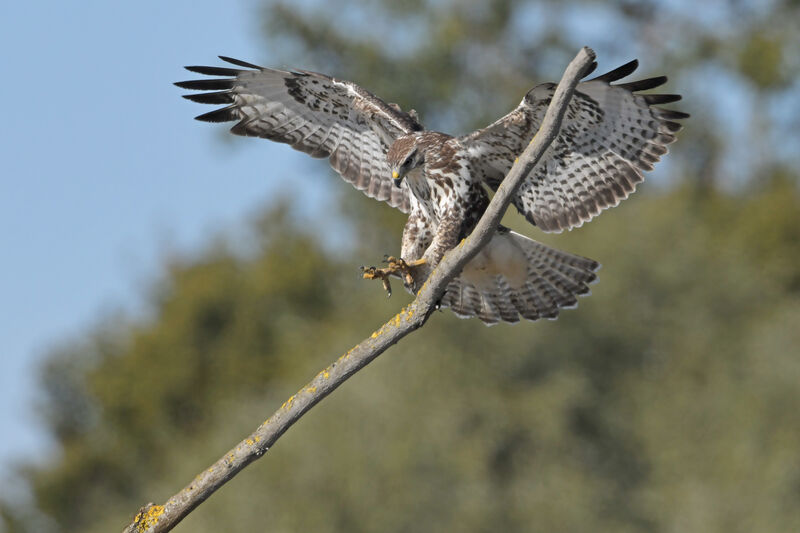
515,276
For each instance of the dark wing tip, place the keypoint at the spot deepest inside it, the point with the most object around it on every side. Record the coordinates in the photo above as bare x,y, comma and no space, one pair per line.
240,63
224,97
618,73
655,99
225,114
206,85
213,71
643,85
672,126
590,69
670,114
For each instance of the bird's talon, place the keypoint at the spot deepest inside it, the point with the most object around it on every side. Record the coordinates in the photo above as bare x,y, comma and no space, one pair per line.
397,267
369,273
387,287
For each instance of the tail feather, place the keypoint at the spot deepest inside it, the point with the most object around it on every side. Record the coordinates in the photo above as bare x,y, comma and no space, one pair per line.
552,298
524,306
504,303
567,287
514,277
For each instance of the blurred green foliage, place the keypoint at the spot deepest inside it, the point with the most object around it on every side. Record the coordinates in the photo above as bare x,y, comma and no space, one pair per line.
669,401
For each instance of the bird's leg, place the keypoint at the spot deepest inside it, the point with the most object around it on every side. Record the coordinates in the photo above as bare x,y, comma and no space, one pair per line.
396,267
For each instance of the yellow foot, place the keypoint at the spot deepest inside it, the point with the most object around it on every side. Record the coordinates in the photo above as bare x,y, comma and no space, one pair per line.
378,273
397,267
403,267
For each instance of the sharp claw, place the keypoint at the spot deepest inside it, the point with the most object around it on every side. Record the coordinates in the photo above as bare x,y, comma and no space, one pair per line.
387,287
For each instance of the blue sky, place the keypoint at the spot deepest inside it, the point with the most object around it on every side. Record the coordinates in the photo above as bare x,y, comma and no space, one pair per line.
104,172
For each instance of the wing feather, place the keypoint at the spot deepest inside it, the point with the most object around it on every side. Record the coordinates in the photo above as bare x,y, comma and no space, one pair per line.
609,137
313,113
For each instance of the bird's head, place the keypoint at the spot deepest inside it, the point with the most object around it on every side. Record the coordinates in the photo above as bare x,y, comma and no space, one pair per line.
404,156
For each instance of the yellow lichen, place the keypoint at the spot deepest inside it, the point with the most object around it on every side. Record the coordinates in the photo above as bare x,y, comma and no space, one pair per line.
288,403
326,374
258,439
250,442
148,518
397,319
426,281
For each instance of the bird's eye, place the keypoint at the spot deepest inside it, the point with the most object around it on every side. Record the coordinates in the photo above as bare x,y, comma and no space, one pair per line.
407,163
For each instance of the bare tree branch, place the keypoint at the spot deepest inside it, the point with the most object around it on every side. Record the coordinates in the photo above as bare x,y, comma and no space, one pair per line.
158,518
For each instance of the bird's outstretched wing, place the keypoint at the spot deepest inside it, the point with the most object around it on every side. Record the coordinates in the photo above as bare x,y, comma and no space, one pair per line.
610,134
314,113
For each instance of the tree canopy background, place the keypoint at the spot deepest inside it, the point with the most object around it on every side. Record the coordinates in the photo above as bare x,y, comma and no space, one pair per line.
669,401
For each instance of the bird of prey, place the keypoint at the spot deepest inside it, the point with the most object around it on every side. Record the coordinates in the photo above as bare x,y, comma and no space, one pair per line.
609,136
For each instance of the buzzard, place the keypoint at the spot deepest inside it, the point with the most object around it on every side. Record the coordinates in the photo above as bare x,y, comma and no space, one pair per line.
610,135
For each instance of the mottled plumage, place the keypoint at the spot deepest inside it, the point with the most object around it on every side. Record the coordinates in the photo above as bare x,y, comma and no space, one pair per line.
609,136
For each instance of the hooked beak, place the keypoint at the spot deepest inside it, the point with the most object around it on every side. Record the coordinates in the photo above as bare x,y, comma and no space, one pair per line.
397,178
